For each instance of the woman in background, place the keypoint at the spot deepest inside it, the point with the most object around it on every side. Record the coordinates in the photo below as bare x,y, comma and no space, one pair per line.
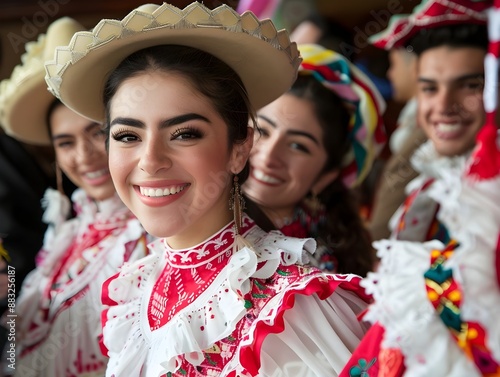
59,307
317,141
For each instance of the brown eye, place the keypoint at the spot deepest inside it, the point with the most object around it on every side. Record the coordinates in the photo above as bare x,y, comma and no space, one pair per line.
124,136
186,133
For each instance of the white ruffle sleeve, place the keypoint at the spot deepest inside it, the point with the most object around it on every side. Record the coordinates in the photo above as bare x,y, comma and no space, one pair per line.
318,337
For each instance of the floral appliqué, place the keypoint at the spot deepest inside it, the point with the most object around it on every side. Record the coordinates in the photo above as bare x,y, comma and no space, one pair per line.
361,370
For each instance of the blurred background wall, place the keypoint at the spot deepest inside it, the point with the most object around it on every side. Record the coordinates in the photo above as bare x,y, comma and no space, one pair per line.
22,20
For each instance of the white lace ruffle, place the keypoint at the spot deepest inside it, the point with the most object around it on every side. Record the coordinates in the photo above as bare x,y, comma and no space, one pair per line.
410,321
471,212
428,162
57,207
99,267
476,226
127,334
422,211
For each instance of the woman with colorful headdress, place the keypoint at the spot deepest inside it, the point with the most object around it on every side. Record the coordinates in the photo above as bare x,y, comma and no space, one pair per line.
218,296
317,142
57,315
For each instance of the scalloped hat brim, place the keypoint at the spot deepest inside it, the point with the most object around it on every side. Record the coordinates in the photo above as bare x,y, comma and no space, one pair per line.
24,98
25,117
429,14
265,59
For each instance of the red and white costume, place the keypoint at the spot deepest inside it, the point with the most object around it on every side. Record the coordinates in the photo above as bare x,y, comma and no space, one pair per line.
219,310
436,305
59,306
435,310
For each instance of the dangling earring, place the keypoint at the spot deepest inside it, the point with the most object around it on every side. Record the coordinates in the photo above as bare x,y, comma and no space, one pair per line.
59,180
314,214
237,204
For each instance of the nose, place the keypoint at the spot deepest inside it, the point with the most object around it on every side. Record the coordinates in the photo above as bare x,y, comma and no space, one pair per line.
267,151
446,102
86,151
155,156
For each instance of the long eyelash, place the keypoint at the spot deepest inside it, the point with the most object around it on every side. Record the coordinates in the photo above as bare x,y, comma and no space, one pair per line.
116,135
186,130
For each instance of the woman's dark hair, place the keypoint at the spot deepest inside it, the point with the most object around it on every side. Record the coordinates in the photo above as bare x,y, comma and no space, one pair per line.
456,36
343,232
53,105
67,185
332,115
211,76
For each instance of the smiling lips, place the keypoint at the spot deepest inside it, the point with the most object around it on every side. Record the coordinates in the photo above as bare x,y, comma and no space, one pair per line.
97,177
160,192
261,176
96,174
448,130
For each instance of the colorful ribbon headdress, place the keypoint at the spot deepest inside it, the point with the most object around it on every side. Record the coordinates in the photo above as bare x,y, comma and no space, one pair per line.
366,128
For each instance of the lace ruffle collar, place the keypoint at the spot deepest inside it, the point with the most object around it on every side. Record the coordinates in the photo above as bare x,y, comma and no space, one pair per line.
427,161
205,252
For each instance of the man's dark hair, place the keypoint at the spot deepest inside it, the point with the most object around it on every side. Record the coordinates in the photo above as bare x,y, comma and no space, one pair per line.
462,35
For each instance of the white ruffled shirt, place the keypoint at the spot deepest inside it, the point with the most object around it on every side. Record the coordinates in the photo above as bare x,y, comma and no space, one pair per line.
214,310
471,212
59,305
413,222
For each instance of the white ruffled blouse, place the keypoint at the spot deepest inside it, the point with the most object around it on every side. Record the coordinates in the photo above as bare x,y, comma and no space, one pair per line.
405,298
59,306
415,219
221,310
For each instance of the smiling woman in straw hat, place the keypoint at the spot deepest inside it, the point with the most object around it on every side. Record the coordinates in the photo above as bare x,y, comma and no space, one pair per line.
59,306
218,296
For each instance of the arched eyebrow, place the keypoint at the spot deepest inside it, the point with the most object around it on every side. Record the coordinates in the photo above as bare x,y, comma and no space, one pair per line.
469,76
291,132
87,129
164,124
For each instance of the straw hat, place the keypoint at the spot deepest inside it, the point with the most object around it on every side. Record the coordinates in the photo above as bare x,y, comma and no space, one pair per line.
430,14
24,98
263,57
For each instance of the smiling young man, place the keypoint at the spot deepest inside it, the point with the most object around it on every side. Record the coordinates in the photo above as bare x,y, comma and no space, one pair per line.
428,316
448,42
450,87
450,82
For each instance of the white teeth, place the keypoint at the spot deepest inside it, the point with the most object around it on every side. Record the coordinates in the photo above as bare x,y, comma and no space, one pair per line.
158,192
264,178
447,127
96,174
